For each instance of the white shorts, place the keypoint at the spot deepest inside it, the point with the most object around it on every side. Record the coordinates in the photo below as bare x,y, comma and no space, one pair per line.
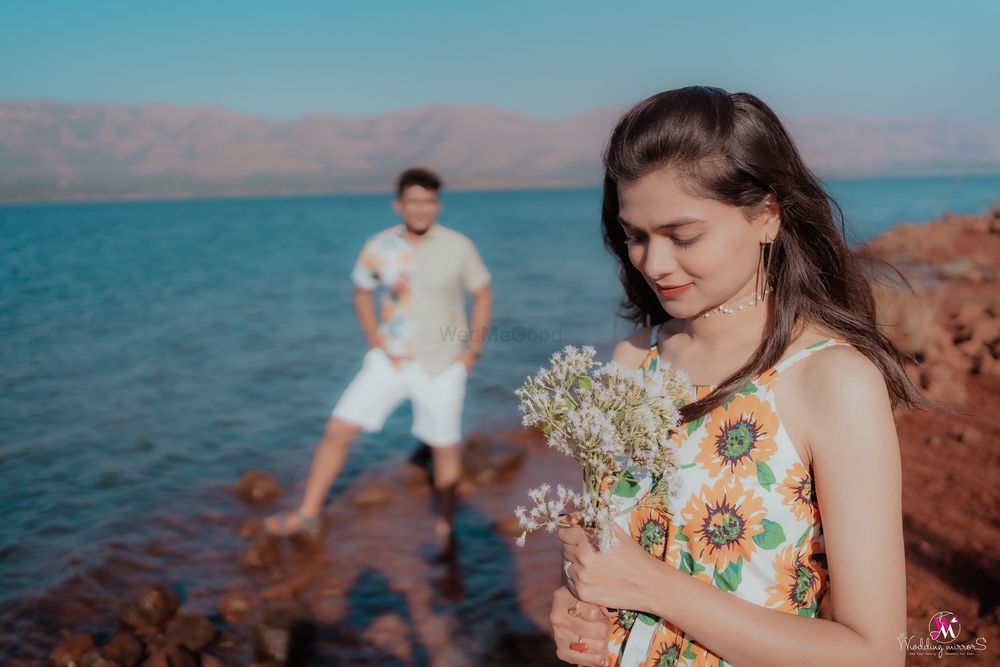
379,387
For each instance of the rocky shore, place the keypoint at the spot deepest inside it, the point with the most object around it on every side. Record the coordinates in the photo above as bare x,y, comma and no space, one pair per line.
373,588
951,460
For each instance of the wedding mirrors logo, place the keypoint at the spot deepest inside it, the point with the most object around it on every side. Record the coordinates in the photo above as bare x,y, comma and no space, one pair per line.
943,629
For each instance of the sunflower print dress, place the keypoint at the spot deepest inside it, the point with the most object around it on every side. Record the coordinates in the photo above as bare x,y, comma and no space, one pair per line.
745,520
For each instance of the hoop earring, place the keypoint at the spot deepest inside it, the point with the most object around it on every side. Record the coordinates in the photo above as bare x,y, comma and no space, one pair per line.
763,272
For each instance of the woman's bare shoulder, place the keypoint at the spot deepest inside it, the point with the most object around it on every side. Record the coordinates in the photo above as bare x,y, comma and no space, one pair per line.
841,389
631,351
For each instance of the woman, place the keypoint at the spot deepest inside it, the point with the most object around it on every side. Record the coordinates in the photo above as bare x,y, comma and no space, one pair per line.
782,542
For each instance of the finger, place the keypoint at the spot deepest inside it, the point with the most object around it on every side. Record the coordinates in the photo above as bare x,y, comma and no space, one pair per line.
571,535
592,629
571,586
562,621
592,612
592,656
571,552
562,596
569,642
593,634
571,519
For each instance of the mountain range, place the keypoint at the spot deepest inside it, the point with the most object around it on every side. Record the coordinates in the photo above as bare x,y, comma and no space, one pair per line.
53,151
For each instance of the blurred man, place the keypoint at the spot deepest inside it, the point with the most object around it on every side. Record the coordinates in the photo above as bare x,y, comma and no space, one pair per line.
420,348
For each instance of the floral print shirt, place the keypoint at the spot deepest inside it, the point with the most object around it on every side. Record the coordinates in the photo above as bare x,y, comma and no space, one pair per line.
744,519
422,307
387,259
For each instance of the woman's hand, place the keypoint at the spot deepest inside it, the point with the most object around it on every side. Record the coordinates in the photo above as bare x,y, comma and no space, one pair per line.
576,623
619,578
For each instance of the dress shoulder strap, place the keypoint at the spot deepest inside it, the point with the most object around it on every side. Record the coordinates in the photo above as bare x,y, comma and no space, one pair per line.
653,333
812,349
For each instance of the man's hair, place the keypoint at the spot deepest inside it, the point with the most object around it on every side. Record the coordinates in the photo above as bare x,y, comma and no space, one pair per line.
425,178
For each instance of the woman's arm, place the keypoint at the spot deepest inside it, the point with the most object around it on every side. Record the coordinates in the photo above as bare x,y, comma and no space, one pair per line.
857,474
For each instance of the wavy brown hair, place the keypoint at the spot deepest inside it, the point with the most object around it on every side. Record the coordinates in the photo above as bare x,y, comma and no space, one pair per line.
733,148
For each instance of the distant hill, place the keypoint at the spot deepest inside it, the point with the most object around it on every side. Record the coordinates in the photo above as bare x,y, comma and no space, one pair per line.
54,151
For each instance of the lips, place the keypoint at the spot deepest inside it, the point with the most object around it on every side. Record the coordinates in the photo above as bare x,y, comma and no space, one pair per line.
673,290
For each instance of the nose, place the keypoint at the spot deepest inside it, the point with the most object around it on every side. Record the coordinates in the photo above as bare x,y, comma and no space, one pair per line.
658,259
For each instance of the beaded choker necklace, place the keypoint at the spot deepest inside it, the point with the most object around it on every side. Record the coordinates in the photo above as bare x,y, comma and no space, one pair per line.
749,302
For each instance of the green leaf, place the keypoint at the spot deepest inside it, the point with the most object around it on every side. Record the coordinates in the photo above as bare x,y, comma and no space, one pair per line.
687,563
731,577
772,536
694,425
647,619
547,429
681,537
688,653
749,389
765,475
689,465
804,536
808,611
626,487
584,382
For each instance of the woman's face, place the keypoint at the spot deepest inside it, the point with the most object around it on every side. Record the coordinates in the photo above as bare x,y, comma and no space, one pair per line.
695,253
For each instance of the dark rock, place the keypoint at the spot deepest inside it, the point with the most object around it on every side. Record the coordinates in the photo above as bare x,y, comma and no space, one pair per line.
258,488
171,656
192,631
124,649
389,634
263,552
235,606
70,651
94,658
155,605
285,632
209,660
509,526
250,527
375,494
486,459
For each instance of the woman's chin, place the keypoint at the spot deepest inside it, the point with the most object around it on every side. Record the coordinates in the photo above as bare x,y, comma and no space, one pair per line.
680,311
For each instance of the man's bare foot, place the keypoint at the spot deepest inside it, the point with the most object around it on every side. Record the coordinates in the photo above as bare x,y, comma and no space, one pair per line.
290,522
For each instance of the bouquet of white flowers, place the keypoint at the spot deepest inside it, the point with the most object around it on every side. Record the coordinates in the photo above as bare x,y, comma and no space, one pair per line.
612,420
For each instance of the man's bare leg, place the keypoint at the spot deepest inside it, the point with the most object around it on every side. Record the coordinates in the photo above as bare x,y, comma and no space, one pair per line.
328,461
447,470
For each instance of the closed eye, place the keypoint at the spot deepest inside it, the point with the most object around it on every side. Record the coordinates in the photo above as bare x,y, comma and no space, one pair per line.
684,243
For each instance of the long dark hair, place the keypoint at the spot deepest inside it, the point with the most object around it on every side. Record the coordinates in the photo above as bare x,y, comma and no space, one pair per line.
734,149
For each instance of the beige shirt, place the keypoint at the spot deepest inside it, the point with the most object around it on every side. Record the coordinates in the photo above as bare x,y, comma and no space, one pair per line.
422,311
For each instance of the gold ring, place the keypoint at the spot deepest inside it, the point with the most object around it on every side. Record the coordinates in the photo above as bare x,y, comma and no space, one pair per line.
574,611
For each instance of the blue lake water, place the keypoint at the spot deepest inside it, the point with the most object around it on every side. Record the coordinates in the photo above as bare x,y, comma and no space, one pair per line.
150,350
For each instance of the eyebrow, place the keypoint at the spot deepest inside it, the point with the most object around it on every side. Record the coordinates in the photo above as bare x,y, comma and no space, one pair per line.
673,224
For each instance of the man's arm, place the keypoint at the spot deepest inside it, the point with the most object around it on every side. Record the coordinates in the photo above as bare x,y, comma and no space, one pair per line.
364,304
482,312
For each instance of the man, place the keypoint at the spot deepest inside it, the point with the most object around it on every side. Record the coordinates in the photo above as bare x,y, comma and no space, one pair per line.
420,349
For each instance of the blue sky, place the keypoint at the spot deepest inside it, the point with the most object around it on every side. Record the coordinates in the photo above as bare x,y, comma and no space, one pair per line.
543,58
